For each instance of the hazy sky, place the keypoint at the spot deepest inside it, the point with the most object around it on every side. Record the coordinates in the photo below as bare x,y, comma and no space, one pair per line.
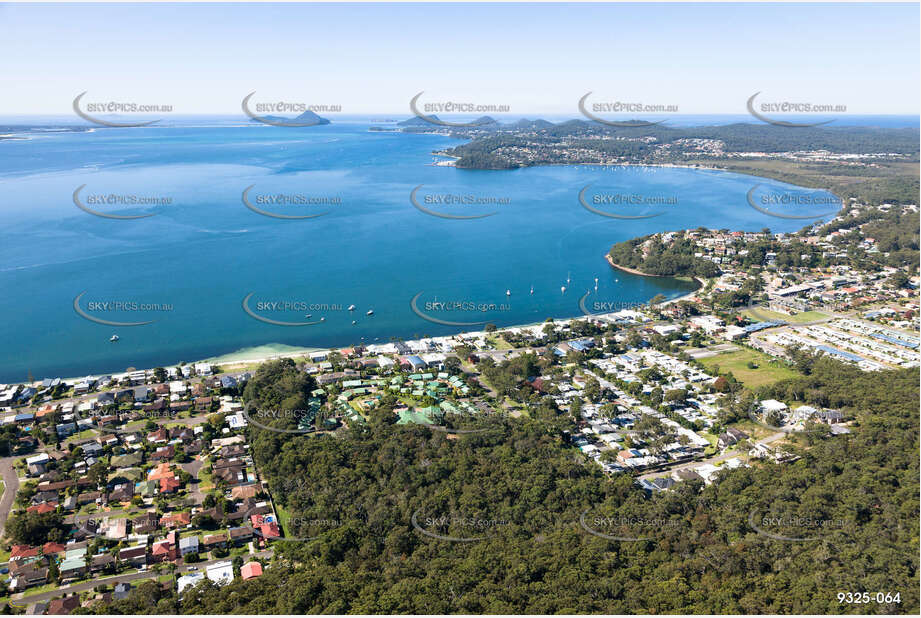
538,58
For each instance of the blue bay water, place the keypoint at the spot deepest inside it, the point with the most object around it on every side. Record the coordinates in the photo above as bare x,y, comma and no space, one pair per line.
204,252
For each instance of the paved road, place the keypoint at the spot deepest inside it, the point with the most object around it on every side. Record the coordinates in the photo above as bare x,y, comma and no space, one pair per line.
88,585
194,467
10,487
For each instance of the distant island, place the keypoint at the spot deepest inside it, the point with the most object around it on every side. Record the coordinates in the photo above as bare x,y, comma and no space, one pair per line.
308,118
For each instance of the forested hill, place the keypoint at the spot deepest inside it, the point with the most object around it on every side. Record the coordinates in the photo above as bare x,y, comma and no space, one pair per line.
753,136
516,494
651,256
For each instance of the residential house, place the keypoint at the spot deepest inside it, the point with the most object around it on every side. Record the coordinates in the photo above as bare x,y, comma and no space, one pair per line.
146,523
214,541
188,580
221,573
175,520
163,551
250,570
26,574
60,607
188,545
135,555
241,535
102,562
72,568
37,464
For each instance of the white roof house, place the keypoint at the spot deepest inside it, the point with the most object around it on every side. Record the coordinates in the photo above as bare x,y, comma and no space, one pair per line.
707,472
38,459
221,572
203,369
188,580
237,421
772,405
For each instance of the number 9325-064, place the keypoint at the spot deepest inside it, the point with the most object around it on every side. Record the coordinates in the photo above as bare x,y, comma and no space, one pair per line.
869,597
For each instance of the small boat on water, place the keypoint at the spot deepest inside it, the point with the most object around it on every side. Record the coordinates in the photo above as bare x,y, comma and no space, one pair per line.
532,289
308,316
370,312
354,321
322,319
113,338
351,307
508,292
563,289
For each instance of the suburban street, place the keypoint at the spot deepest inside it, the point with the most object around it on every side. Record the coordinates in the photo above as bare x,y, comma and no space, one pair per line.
89,585
10,487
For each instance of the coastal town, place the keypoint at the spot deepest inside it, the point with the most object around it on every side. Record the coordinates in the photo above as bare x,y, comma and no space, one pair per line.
113,480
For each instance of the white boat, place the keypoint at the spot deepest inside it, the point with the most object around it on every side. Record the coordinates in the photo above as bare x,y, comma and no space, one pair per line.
322,319
354,322
351,307
563,289
308,316
532,289
508,292
113,338
370,312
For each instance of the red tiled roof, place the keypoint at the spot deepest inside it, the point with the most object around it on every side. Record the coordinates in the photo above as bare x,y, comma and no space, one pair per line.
250,570
269,530
22,551
169,485
53,548
44,507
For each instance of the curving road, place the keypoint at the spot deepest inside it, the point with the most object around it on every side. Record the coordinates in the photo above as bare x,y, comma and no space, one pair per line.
10,487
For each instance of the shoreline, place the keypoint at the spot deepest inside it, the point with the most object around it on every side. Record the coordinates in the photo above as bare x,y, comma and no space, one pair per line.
701,282
714,167
242,358
626,269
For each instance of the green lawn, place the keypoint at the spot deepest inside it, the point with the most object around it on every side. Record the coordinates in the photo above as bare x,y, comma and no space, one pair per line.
80,435
31,592
806,316
768,371
753,429
498,342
